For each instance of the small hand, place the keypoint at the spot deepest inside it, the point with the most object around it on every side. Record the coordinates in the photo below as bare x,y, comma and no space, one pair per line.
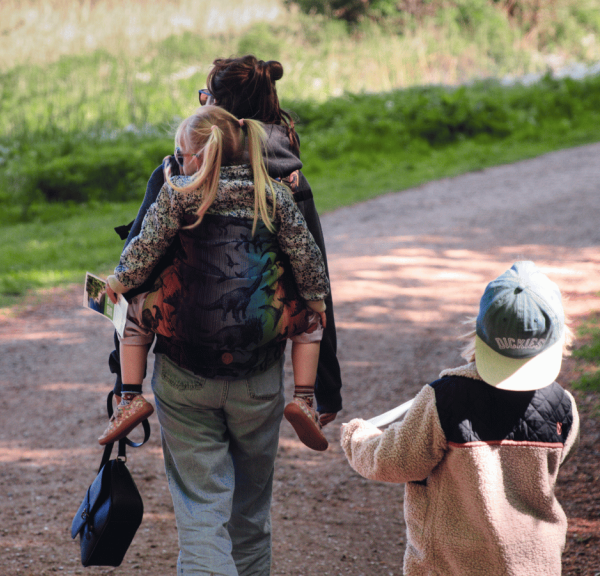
111,294
326,417
323,320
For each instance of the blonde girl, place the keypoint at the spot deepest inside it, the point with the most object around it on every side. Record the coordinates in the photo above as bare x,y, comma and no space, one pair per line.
212,138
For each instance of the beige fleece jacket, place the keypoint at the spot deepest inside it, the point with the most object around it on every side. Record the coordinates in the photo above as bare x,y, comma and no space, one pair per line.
486,508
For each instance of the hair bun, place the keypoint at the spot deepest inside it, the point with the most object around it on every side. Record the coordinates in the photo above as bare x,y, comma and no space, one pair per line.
275,70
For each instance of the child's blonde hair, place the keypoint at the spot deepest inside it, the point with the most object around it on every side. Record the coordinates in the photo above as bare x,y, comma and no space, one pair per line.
221,138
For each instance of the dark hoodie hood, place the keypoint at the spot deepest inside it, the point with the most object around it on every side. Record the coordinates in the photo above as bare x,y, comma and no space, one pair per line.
281,160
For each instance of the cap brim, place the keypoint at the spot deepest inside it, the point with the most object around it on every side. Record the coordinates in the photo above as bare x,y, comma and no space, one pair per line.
518,374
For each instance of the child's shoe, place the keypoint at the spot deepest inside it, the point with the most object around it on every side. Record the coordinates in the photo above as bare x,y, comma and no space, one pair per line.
132,410
305,421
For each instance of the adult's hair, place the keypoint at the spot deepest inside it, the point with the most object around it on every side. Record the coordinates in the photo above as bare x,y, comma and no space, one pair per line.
245,86
219,137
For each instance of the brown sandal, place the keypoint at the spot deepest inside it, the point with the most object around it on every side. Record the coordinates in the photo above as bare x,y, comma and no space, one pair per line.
126,417
305,421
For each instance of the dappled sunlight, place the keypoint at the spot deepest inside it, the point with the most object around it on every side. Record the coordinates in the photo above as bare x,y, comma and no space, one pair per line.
290,443
360,363
15,453
423,285
583,527
64,337
293,446
36,458
156,517
360,325
68,386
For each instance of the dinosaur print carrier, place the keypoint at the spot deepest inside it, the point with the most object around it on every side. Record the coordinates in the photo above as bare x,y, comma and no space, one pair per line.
228,303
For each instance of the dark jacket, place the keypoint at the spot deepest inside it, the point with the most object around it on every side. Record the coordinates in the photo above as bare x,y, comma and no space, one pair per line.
282,163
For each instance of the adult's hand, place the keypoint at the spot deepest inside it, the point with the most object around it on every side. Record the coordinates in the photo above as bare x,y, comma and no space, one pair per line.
326,417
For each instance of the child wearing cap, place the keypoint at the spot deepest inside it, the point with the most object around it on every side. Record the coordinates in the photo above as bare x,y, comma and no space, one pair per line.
480,448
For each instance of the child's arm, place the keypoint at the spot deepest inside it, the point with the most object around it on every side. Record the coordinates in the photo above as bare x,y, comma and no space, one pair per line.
160,226
407,451
305,257
155,184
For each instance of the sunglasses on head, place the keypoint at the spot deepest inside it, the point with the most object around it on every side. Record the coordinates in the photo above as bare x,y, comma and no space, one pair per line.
203,95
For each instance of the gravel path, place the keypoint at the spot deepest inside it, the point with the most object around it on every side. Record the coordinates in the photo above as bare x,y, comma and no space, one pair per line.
406,269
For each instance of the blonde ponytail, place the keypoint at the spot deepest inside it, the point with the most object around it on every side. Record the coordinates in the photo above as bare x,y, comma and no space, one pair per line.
257,139
218,137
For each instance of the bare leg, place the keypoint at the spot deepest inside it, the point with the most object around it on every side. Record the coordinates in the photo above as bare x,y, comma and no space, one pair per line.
305,359
133,363
132,408
300,413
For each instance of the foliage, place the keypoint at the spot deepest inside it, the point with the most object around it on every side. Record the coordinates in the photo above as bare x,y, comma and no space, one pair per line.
356,130
550,22
260,41
589,355
66,170
36,255
350,133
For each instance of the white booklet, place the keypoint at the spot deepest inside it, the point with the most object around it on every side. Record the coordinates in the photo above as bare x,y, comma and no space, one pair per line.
391,415
95,298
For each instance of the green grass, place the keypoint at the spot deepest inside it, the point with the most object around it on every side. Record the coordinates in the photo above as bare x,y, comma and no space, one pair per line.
589,355
37,255
88,111
354,148
65,240
388,141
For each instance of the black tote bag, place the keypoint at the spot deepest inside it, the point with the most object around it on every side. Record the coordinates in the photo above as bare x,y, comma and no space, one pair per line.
112,508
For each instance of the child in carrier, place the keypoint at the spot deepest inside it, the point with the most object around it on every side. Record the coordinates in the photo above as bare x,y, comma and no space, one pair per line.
480,448
241,236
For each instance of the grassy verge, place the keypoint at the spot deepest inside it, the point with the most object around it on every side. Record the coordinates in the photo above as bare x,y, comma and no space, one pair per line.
588,355
64,241
87,111
36,255
354,148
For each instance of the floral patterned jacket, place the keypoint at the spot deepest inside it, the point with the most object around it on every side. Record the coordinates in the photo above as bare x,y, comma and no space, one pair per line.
230,300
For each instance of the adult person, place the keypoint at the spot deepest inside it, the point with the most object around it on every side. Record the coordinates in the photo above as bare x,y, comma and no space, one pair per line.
220,482
245,87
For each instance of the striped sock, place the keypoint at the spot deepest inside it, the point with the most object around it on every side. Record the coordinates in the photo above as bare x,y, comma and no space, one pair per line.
304,392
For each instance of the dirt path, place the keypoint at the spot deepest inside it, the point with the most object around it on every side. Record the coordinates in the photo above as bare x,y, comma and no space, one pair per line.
406,269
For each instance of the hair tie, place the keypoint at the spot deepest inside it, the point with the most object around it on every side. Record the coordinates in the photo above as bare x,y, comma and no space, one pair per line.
241,121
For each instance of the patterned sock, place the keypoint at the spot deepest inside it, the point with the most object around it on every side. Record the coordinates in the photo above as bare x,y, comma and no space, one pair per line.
129,392
305,393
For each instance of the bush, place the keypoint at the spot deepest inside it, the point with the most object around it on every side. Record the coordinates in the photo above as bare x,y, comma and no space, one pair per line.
64,171
348,133
261,42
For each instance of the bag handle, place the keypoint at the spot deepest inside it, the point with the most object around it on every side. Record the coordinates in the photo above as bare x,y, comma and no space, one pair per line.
124,442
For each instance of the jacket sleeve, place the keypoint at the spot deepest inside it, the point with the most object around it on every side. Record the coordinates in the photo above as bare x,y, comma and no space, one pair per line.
153,188
406,452
299,245
163,220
